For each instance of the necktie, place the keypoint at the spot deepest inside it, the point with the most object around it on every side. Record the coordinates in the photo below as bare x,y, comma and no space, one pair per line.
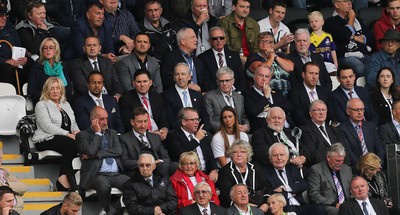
339,188
104,143
145,143
350,94
146,106
365,210
312,93
191,137
185,98
220,60
323,130
150,182
281,174
361,138
228,98
99,102
95,68
205,211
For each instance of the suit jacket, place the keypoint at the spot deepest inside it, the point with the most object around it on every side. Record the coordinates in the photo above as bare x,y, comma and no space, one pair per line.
295,77
295,181
321,187
262,139
232,61
315,145
254,104
81,68
338,102
350,140
90,143
388,134
301,102
173,104
167,70
234,211
130,100
194,209
84,104
131,150
351,207
127,67
214,102
177,143
381,108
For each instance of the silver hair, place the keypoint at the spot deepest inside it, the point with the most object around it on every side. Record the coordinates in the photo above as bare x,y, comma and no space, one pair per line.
276,145
336,148
224,70
149,156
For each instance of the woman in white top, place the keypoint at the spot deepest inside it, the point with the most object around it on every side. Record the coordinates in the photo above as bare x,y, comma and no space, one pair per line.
228,133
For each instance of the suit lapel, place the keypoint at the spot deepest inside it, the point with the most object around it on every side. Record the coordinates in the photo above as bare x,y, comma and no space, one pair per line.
220,99
317,132
328,175
135,141
87,67
395,131
176,97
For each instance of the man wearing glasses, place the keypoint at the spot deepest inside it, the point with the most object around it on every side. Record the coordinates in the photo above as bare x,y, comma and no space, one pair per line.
202,196
359,136
219,56
147,193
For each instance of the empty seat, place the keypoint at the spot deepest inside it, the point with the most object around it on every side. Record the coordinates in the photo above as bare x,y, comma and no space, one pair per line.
12,109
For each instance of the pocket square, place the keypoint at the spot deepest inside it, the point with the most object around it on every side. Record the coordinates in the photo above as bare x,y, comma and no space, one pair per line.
113,110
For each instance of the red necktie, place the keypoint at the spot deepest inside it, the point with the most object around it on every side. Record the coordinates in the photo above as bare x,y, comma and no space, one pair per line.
220,60
146,106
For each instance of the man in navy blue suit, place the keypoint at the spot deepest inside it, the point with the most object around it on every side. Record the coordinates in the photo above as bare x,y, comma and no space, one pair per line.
94,97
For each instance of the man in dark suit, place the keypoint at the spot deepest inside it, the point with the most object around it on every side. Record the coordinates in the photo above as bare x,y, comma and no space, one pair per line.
148,193
219,56
187,44
263,138
202,196
92,61
138,140
346,91
389,133
182,96
100,153
215,100
329,181
142,97
240,198
191,136
359,136
287,180
85,103
302,55
259,98
301,96
362,204
318,135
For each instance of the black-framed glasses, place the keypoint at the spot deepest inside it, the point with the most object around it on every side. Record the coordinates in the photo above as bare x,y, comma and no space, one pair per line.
194,120
2,15
142,165
217,38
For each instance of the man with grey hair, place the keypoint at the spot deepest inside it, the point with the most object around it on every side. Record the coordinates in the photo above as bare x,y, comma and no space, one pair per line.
148,193
302,55
202,195
187,44
329,181
182,96
219,56
223,96
240,198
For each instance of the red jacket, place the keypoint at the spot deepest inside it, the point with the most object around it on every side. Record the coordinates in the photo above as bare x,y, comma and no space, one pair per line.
381,26
181,188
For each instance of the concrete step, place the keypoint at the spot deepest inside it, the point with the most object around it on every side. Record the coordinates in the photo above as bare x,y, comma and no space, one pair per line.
21,171
37,208
39,185
44,196
12,159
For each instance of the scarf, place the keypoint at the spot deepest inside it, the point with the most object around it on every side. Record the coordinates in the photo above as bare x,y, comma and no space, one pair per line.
56,71
189,182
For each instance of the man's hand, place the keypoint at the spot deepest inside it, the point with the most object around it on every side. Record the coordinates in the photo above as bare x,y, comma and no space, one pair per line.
279,189
244,128
267,90
200,134
6,210
72,136
213,176
158,211
86,157
264,207
286,39
204,17
194,87
298,161
110,56
95,125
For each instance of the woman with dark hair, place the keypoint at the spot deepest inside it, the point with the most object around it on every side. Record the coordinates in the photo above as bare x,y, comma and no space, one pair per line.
384,95
228,133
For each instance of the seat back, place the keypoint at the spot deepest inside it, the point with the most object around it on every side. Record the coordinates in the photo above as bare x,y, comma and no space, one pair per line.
7,89
12,109
76,166
335,82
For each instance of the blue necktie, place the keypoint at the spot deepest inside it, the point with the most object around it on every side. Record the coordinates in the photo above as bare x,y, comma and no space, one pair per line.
105,145
185,98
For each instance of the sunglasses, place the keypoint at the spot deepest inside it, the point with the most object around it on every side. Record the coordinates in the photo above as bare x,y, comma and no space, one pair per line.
216,38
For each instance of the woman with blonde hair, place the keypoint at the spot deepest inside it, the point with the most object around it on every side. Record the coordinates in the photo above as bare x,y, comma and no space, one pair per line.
56,127
369,167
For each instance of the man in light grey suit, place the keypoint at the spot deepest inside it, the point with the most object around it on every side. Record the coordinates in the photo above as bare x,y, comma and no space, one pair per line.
139,59
329,181
223,96
240,197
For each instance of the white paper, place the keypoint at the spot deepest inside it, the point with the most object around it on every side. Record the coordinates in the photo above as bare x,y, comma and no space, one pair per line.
18,52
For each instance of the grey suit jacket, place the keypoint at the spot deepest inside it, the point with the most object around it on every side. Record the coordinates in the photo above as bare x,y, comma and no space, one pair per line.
388,134
234,211
322,189
214,102
90,143
127,67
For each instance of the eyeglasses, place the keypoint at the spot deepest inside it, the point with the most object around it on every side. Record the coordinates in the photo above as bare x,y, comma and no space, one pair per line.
265,41
357,109
320,110
3,15
224,81
142,165
194,120
217,38
198,192
188,163
345,1
48,48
